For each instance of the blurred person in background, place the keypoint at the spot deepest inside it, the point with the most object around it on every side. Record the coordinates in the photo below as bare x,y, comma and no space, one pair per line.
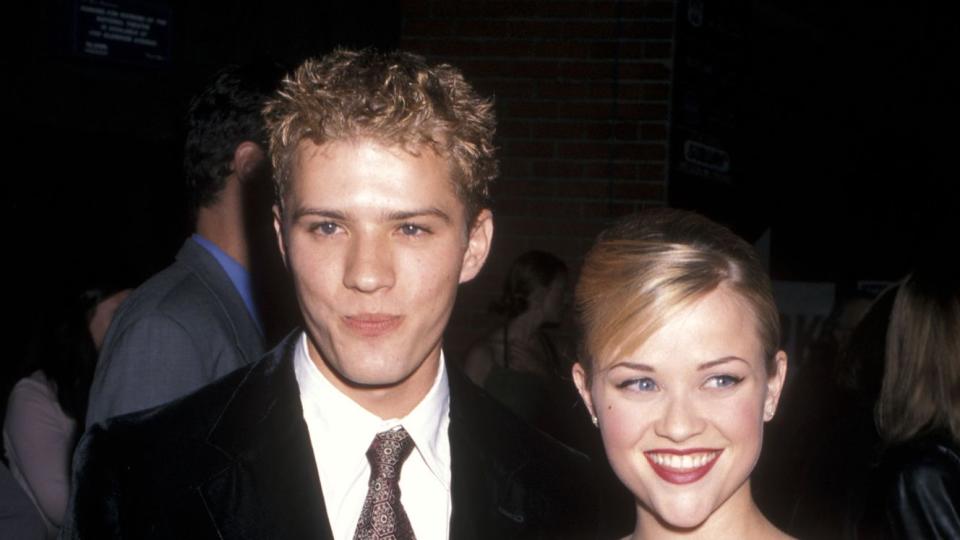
46,407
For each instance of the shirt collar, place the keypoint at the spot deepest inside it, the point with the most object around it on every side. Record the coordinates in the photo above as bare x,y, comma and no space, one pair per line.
336,413
238,275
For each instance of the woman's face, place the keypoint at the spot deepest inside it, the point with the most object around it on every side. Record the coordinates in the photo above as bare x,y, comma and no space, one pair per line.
682,417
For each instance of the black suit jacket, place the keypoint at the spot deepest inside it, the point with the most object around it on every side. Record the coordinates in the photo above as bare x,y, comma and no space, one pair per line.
234,461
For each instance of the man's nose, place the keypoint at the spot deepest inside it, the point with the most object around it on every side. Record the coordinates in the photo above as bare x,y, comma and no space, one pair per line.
369,264
680,419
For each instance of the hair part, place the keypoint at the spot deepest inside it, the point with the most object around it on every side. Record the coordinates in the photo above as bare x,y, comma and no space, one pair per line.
921,382
396,99
650,266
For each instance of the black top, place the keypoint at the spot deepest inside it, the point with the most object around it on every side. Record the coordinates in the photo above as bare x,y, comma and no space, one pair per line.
916,491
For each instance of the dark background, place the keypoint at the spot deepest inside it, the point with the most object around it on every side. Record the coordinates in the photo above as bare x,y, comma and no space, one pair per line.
839,117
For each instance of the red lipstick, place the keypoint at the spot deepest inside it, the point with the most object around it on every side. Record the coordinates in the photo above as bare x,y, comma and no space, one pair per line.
372,324
670,464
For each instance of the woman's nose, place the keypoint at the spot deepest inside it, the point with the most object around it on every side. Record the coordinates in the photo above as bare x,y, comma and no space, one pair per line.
680,419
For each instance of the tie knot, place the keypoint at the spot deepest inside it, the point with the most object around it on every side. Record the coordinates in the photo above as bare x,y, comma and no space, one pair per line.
388,451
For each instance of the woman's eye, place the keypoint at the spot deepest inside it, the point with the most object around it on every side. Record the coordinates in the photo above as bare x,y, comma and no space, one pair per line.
641,384
723,381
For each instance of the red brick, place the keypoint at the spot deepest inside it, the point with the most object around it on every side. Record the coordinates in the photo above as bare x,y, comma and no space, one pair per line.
651,171
514,129
611,169
526,109
587,70
514,167
582,188
638,190
593,209
527,149
644,70
647,10
658,49
428,27
562,90
594,110
653,132
626,131
643,111
511,88
645,151
598,130
557,168
656,92
648,29
557,130
585,150
526,187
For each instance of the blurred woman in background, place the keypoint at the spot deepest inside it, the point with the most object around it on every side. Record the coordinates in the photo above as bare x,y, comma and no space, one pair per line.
917,491
45,408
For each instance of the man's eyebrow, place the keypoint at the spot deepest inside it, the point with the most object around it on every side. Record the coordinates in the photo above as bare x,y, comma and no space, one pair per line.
718,361
402,215
318,212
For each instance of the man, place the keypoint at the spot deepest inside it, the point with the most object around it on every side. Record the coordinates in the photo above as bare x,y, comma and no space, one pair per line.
355,427
197,319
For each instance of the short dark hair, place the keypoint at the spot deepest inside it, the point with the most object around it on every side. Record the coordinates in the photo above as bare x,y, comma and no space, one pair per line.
224,114
396,98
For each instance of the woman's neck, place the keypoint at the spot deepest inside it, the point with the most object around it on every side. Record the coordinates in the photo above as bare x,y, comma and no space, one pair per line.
737,518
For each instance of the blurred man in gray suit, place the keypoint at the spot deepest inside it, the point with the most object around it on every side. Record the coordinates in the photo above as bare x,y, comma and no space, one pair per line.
198,319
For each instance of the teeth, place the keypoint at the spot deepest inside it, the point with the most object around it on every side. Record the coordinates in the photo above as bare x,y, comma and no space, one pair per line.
688,461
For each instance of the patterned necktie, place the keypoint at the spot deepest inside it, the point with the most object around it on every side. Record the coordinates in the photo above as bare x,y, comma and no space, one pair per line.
383,517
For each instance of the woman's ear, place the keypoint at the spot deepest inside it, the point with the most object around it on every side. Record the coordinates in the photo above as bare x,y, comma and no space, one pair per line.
775,386
583,387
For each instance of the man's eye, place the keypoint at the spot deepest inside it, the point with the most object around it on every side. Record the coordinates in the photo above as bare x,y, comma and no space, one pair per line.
409,229
640,384
325,228
723,381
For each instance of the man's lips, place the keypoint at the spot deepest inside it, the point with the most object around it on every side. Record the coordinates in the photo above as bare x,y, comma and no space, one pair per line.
682,466
372,325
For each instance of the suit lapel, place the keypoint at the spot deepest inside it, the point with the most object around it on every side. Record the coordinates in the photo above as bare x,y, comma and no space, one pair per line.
485,461
268,486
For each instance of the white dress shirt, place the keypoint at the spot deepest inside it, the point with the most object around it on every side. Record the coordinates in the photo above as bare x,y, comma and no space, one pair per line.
341,432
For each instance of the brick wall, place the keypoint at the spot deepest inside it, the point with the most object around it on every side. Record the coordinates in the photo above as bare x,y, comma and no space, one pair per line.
582,93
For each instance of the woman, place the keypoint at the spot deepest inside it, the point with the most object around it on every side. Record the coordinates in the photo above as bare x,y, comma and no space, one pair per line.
45,408
517,363
917,491
680,370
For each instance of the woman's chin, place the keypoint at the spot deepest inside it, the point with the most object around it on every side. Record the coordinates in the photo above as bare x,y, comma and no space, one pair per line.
677,515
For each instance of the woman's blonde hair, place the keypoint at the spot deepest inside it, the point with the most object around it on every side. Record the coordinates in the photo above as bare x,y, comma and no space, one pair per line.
651,265
921,378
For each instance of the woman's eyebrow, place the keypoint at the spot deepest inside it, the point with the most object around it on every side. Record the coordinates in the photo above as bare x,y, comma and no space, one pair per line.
718,361
633,365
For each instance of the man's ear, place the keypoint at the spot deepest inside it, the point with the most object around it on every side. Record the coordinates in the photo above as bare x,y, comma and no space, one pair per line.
775,386
247,159
583,387
278,228
478,246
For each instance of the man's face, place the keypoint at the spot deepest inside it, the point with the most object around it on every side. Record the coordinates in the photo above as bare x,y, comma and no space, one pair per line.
377,242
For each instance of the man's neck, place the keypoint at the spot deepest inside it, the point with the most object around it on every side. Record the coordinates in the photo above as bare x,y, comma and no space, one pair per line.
223,224
394,401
